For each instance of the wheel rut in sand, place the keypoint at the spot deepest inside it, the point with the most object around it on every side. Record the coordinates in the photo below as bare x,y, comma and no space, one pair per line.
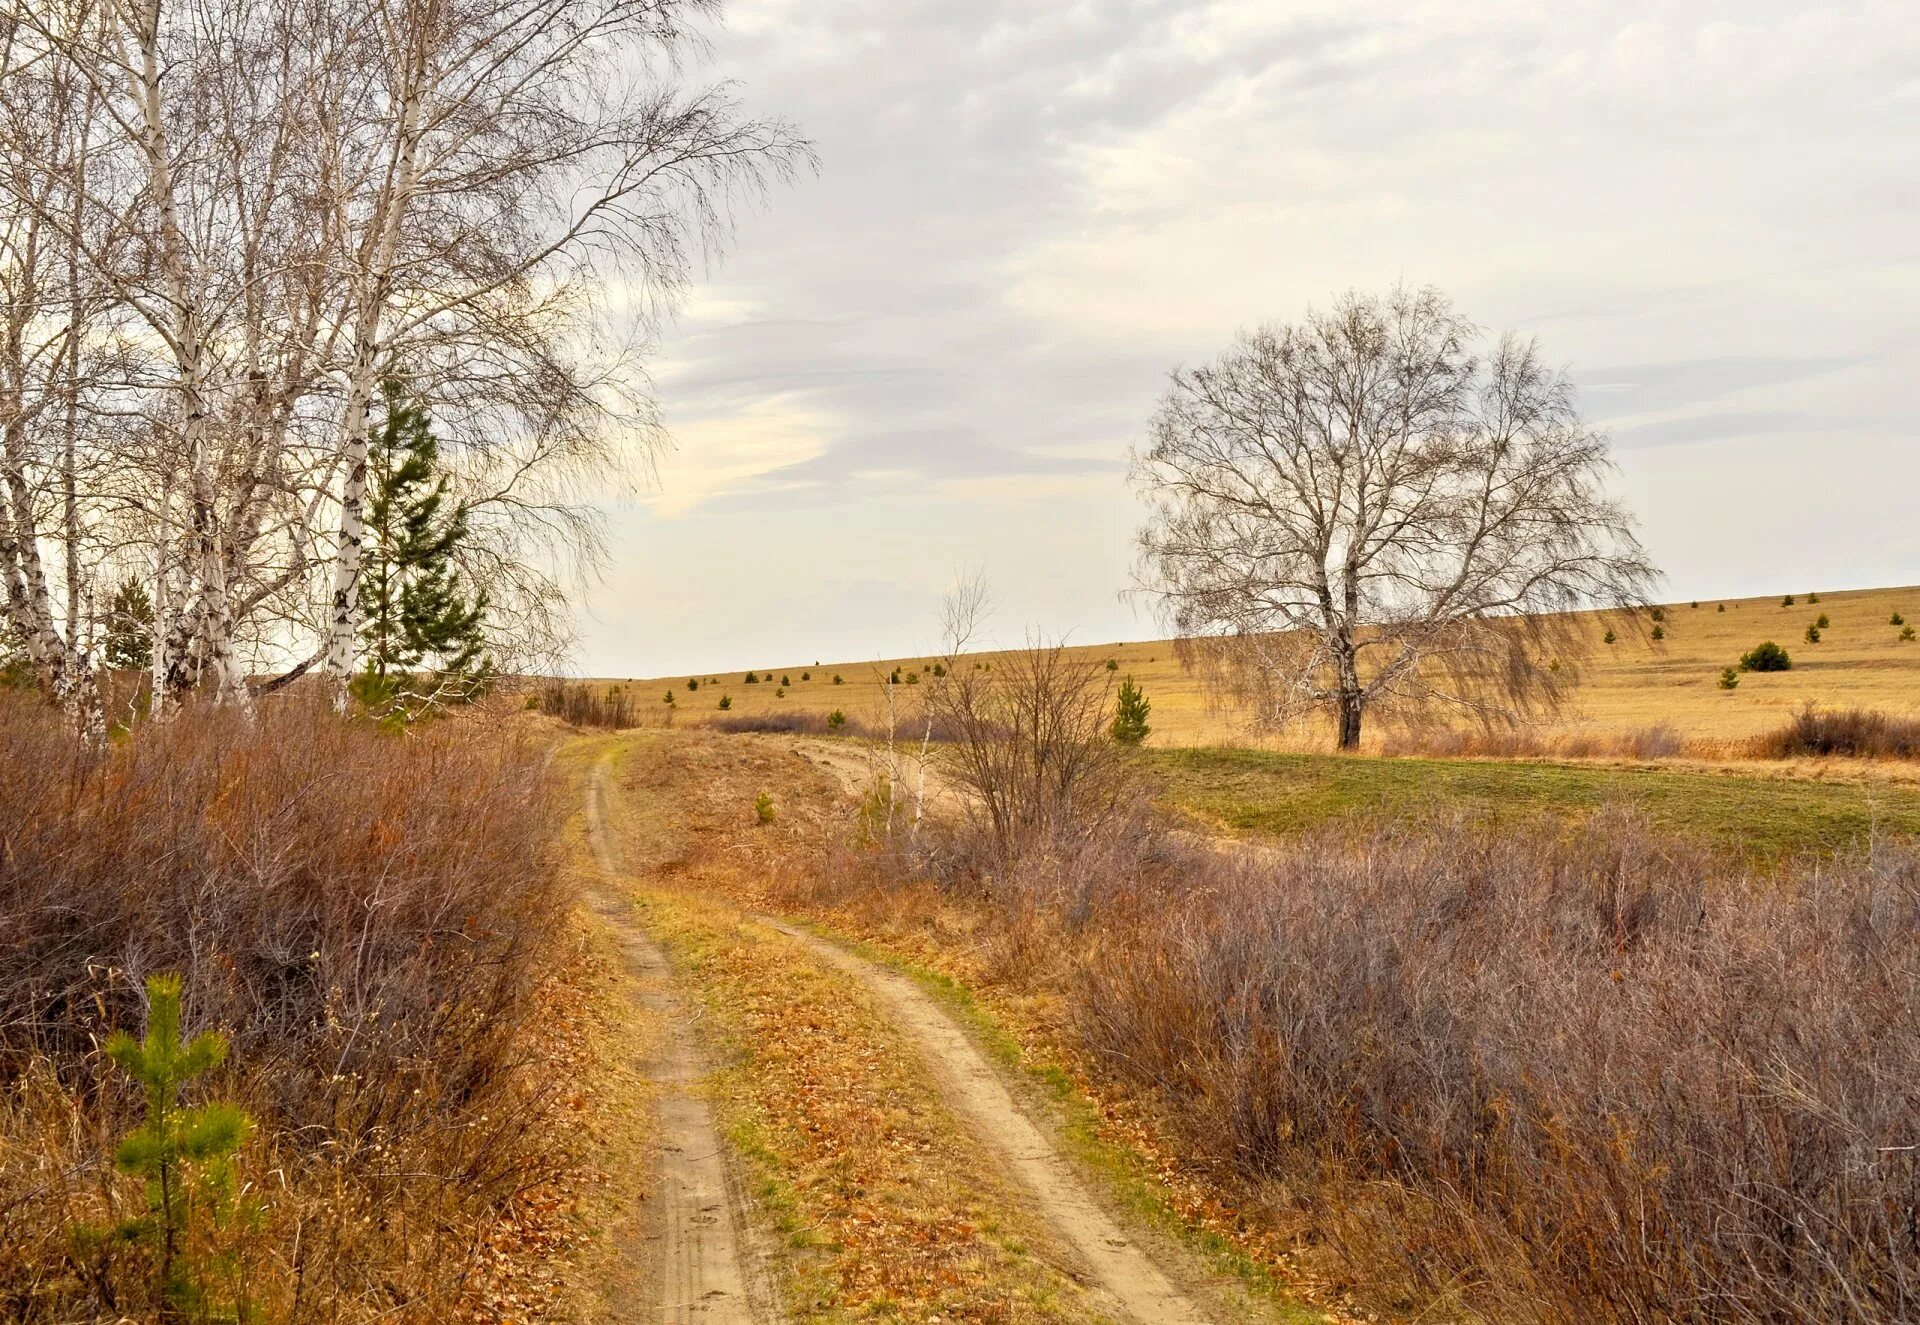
707,1268
1118,1269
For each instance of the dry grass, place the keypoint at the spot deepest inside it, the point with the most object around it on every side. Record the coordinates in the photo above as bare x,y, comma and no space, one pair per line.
375,922
1634,685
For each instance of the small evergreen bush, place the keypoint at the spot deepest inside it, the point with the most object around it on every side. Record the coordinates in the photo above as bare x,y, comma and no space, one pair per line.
836,720
1813,634
1721,608
1658,614
1896,620
1823,622
1730,679
1787,601
1813,598
726,701
785,681
1907,633
1767,657
752,679
781,693
1659,632
1609,638
692,685
763,808
836,679
669,698
1131,708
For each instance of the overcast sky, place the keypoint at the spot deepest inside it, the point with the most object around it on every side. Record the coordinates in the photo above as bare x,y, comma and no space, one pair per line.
938,352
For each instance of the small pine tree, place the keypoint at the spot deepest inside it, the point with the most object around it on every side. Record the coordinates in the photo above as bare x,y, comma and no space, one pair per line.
752,679
836,720
129,642
692,685
1813,634
1730,678
1721,608
836,679
413,606
780,693
1907,633
763,808
1130,711
895,678
669,698
806,676
1609,638
1767,657
939,669
1823,623
726,701
1696,607
1813,598
1787,601
1659,632
786,681
1658,614
186,1157
913,678
1113,664
1896,620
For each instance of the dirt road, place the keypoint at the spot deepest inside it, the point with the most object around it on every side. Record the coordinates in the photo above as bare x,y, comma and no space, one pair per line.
707,1267
1131,1285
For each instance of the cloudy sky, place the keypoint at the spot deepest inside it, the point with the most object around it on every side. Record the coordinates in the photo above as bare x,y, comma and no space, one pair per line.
936,353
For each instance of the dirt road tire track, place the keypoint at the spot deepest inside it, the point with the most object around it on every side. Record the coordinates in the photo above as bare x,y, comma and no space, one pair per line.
1132,1285
708,1267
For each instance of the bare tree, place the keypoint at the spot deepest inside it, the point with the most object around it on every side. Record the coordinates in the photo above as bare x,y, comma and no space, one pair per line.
1361,512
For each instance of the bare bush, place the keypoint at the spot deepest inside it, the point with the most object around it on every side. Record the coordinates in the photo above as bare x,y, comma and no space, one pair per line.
1858,733
581,704
1587,1080
367,917
1031,753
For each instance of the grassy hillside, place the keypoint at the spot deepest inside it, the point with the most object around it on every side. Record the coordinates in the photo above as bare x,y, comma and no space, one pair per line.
1633,684
1269,793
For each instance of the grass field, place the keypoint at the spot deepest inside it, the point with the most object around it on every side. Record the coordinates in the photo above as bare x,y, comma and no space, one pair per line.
1268,792
1633,684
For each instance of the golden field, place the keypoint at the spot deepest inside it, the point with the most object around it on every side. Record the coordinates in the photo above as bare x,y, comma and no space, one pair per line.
1632,685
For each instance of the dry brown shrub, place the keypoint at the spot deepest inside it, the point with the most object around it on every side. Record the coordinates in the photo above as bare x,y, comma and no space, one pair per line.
366,916
1585,1080
1855,733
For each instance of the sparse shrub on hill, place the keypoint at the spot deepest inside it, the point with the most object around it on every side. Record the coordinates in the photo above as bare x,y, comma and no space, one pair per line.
669,698
780,693
1813,635
939,670
763,809
1721,608
1896,620
692,684
1907,633
726,702
1658,614
1823,622
1787,601
1659,632
1813,598
837,679
752,679
582,705
1767,657
806,676
1730,678
1609,638
786,680
836,720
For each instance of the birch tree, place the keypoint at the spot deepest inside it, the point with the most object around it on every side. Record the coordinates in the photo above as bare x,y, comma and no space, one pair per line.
1363,511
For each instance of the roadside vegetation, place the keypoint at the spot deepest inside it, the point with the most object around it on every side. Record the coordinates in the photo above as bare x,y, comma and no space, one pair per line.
1511,1066
382,965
